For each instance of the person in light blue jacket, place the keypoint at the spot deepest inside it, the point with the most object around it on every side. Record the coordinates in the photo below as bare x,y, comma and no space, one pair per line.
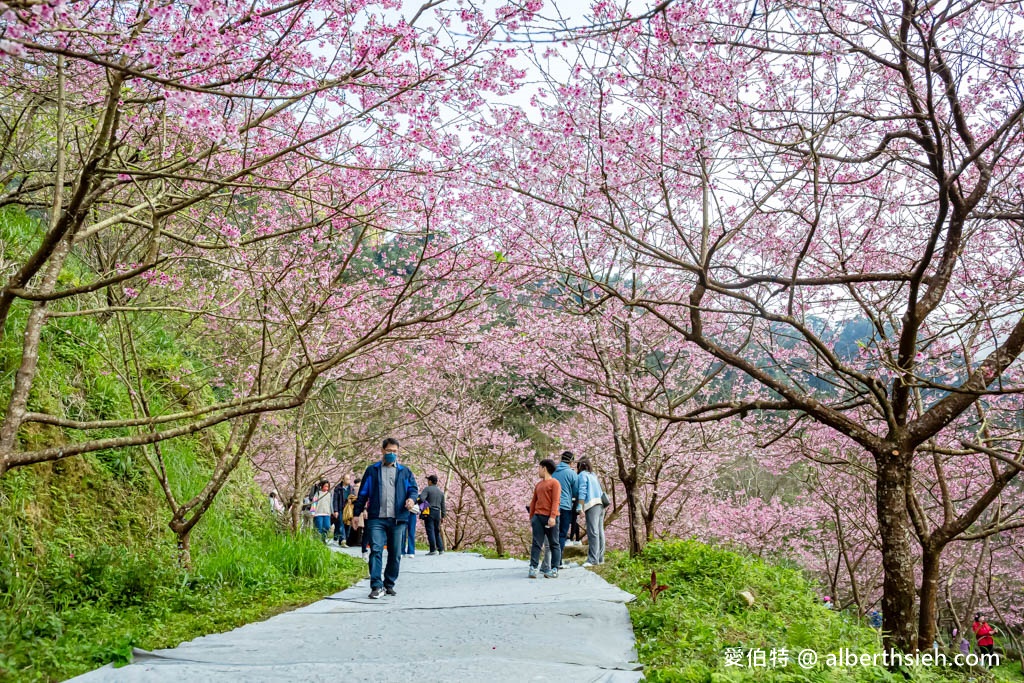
567,504
591,503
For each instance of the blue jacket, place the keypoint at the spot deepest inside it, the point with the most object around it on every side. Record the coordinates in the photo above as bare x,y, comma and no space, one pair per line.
570,486
369,492
590,490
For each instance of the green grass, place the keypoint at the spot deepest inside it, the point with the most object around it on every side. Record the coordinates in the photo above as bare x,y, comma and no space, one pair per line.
88,566
683,636
1009,672
485,550
82,606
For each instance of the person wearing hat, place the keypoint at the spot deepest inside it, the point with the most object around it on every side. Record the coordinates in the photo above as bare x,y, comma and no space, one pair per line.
569,481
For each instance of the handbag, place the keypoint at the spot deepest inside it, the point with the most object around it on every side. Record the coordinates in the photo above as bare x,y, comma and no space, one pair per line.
604,499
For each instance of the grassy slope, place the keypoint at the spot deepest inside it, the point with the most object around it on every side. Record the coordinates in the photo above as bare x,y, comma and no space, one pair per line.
87,566
683,634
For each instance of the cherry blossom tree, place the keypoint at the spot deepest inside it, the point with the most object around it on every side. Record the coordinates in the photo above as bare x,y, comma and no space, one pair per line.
833,189
250,195
456,405
625,376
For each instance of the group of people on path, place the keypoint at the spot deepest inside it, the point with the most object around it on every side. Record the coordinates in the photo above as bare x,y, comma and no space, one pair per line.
378,511
558,497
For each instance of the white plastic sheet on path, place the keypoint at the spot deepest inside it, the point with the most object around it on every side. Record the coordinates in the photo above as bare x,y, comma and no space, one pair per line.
457,617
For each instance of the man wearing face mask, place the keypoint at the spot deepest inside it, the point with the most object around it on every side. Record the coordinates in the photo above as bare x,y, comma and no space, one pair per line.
388,492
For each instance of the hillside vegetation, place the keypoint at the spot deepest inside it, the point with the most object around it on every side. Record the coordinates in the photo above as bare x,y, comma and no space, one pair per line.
684,634
88,566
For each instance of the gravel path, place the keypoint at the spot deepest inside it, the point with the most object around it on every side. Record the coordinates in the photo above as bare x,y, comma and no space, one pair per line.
457,617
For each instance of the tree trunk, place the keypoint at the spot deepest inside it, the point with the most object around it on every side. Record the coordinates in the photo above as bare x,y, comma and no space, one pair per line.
894,528
17,404
929,596
637,535
184,534
499,546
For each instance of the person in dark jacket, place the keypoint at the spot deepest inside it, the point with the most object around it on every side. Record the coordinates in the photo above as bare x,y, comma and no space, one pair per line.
388,493
341,493
436,512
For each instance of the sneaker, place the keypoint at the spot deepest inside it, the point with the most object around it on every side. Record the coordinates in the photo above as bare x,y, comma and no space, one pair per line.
375,593
587,564
563,566
432,553
440,552
390,591
551,575
342,544
532,574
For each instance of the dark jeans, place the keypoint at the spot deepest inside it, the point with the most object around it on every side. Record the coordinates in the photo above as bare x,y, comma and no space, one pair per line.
433,526
565,518
410,530
574,529
542,531
385,531
341,531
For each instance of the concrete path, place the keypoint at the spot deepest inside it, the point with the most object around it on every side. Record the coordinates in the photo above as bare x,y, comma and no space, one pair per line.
457,617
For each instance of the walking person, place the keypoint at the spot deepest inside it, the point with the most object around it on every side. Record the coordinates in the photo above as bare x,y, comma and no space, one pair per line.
569,483
592,505
357,525
387,494
410,533
338,502
364,538
544,513
321,507
984,631
433,515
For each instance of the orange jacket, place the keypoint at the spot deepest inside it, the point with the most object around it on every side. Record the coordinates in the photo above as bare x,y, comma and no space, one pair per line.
545,498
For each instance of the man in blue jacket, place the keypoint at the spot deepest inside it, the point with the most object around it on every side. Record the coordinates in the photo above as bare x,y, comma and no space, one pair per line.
388,493
570,494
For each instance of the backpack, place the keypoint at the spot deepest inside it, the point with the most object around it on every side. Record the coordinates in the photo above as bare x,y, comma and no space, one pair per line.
348,513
